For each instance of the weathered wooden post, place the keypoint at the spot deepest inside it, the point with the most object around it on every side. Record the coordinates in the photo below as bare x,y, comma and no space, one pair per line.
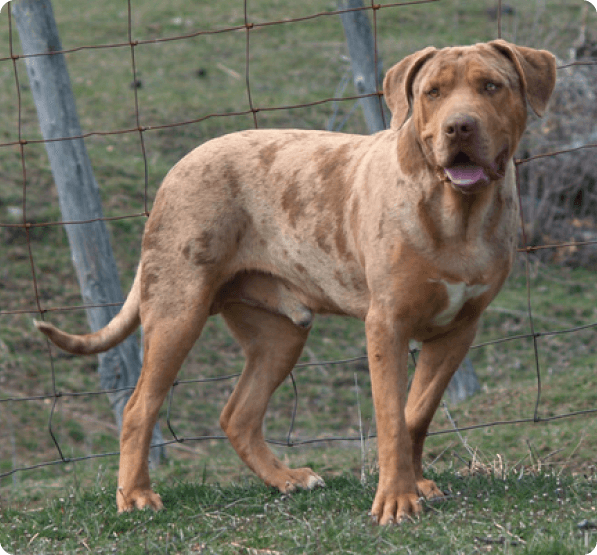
78,195
366,75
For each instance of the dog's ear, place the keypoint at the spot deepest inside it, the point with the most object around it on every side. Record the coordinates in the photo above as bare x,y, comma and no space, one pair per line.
537,71
397,84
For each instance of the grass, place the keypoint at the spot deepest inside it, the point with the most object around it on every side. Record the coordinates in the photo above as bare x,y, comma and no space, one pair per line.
523,514
213,504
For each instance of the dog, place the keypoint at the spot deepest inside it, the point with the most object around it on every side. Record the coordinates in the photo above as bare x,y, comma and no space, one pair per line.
412,230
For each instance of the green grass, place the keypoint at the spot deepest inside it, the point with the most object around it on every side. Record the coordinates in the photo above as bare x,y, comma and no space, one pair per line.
211,498
519,514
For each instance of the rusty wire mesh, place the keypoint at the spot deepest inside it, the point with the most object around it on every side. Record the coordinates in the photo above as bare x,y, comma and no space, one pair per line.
133,45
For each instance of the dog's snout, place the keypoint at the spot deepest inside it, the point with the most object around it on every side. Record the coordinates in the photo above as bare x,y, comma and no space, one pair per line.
460,127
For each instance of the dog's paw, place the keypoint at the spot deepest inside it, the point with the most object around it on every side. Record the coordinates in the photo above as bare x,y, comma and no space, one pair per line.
393,508
429,490
315,481
298,478
138,499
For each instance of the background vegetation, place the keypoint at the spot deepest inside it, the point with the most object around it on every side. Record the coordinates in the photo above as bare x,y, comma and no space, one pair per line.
522,488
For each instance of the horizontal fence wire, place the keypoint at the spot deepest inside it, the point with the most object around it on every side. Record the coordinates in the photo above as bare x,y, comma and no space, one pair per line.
132,46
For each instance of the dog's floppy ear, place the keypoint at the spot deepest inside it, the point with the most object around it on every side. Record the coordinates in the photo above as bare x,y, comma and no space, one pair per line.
397,84
537,71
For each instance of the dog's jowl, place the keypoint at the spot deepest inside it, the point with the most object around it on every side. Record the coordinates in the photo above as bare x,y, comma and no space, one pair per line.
412,230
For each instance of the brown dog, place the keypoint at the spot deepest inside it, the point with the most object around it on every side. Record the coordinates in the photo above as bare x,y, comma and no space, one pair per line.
411,230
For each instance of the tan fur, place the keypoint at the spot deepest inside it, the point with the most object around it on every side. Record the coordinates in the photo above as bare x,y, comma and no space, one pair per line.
271,227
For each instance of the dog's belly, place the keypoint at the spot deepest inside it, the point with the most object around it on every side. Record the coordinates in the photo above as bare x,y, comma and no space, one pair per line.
319,281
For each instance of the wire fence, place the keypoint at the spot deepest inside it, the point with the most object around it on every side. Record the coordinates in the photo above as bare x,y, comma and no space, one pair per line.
254,110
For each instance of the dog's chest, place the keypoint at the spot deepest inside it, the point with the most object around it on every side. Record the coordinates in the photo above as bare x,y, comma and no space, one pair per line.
458,294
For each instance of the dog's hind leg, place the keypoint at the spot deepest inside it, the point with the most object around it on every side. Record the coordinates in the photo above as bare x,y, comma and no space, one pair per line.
169,334
272,344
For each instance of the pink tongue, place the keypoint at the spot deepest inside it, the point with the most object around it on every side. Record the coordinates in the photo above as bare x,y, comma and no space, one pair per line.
465,175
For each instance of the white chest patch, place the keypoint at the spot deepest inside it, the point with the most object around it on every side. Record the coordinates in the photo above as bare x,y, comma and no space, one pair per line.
458,293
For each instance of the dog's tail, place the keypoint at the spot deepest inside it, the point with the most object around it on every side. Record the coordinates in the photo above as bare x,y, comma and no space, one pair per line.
119,328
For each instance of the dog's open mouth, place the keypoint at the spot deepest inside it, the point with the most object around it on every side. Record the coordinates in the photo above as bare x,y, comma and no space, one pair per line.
465,173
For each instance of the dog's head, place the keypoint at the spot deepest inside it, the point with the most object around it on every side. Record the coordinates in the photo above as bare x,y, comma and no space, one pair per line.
468,105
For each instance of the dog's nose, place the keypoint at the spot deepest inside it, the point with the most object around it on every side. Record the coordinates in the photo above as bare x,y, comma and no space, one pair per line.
460,126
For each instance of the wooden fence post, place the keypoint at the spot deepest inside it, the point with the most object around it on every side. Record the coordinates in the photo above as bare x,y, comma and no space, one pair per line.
78,195
366,77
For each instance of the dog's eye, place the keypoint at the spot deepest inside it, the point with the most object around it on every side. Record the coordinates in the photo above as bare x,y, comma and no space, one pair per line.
490,86
433,93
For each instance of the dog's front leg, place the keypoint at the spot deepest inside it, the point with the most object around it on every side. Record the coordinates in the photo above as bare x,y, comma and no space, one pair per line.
387,346
438,361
